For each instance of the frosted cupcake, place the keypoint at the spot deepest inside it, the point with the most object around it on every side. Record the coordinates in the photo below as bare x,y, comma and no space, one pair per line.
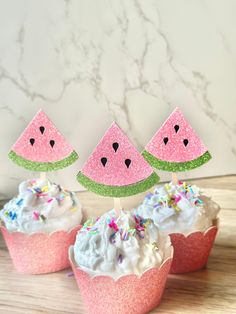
120,263
41,222
39,225
179,209
183,212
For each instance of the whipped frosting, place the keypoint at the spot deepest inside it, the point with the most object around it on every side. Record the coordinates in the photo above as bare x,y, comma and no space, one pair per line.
41,206
178,208
119,246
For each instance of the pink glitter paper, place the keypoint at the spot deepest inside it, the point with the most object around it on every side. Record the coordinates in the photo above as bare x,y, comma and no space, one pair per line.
191,253
175,150
116,172
127,295
39,253
41,150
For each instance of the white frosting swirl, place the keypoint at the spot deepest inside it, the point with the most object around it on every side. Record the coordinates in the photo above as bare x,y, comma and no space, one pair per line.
179,209
41,206
118,246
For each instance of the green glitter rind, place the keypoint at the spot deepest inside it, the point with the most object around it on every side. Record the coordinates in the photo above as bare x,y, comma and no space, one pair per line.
43,166
118,191
176,166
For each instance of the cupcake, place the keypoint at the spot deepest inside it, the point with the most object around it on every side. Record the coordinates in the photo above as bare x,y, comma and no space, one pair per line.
189,217
39,225
120,263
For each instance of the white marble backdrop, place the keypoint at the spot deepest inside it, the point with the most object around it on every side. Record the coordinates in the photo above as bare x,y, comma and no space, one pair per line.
87,62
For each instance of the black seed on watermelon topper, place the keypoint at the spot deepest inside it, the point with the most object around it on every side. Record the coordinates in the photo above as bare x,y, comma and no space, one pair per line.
176,127
42,129
115,146
52,143
165,140
185,142
104,161
32,140
127,162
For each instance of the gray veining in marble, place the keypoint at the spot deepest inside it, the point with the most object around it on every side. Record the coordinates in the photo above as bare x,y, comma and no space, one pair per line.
89,62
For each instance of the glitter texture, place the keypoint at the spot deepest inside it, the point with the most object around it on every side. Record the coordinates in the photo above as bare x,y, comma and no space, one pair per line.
176,166
116,168
115,161
129,294
43,166
176,142
41,147
117,191
191,252
39,253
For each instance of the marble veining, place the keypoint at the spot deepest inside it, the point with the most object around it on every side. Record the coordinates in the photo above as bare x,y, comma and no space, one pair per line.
89,62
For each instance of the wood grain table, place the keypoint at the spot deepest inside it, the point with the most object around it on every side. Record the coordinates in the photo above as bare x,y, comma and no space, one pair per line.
212,290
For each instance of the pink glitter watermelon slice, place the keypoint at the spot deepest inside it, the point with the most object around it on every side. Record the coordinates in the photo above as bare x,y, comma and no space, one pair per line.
176,146
41,147
116,168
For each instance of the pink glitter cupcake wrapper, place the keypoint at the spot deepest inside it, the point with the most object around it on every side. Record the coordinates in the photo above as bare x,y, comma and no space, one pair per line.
191,252
128,294
39,253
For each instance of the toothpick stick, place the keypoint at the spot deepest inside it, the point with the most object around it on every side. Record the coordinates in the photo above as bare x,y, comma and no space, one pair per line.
117,205
174,178
42,175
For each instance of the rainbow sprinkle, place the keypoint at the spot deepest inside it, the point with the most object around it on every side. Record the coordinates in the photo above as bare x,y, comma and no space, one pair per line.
19,202
112,238
36,215
120,258
42,218
172,199
12,215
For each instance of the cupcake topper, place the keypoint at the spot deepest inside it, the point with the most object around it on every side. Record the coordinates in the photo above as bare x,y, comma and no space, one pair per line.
41,147
176,147
116,168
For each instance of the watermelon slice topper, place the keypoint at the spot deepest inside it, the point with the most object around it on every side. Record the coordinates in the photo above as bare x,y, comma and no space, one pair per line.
116,168
41,147
175,146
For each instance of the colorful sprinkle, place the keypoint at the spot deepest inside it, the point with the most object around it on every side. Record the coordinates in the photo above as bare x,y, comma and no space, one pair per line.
141,234
177,198
93,232
42,218
113,225
112,238
199,201
36,215
132,231
120,258
19,202
37,190
73,209
148,196
12,215
155,247
124,235
167,186
45,188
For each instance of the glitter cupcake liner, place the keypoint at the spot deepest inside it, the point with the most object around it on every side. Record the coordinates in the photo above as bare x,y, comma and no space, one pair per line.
176,166
118,191
43,166
39,253
191,252
129,294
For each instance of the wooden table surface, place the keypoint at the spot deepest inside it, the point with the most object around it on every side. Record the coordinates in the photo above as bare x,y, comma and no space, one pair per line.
212,290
